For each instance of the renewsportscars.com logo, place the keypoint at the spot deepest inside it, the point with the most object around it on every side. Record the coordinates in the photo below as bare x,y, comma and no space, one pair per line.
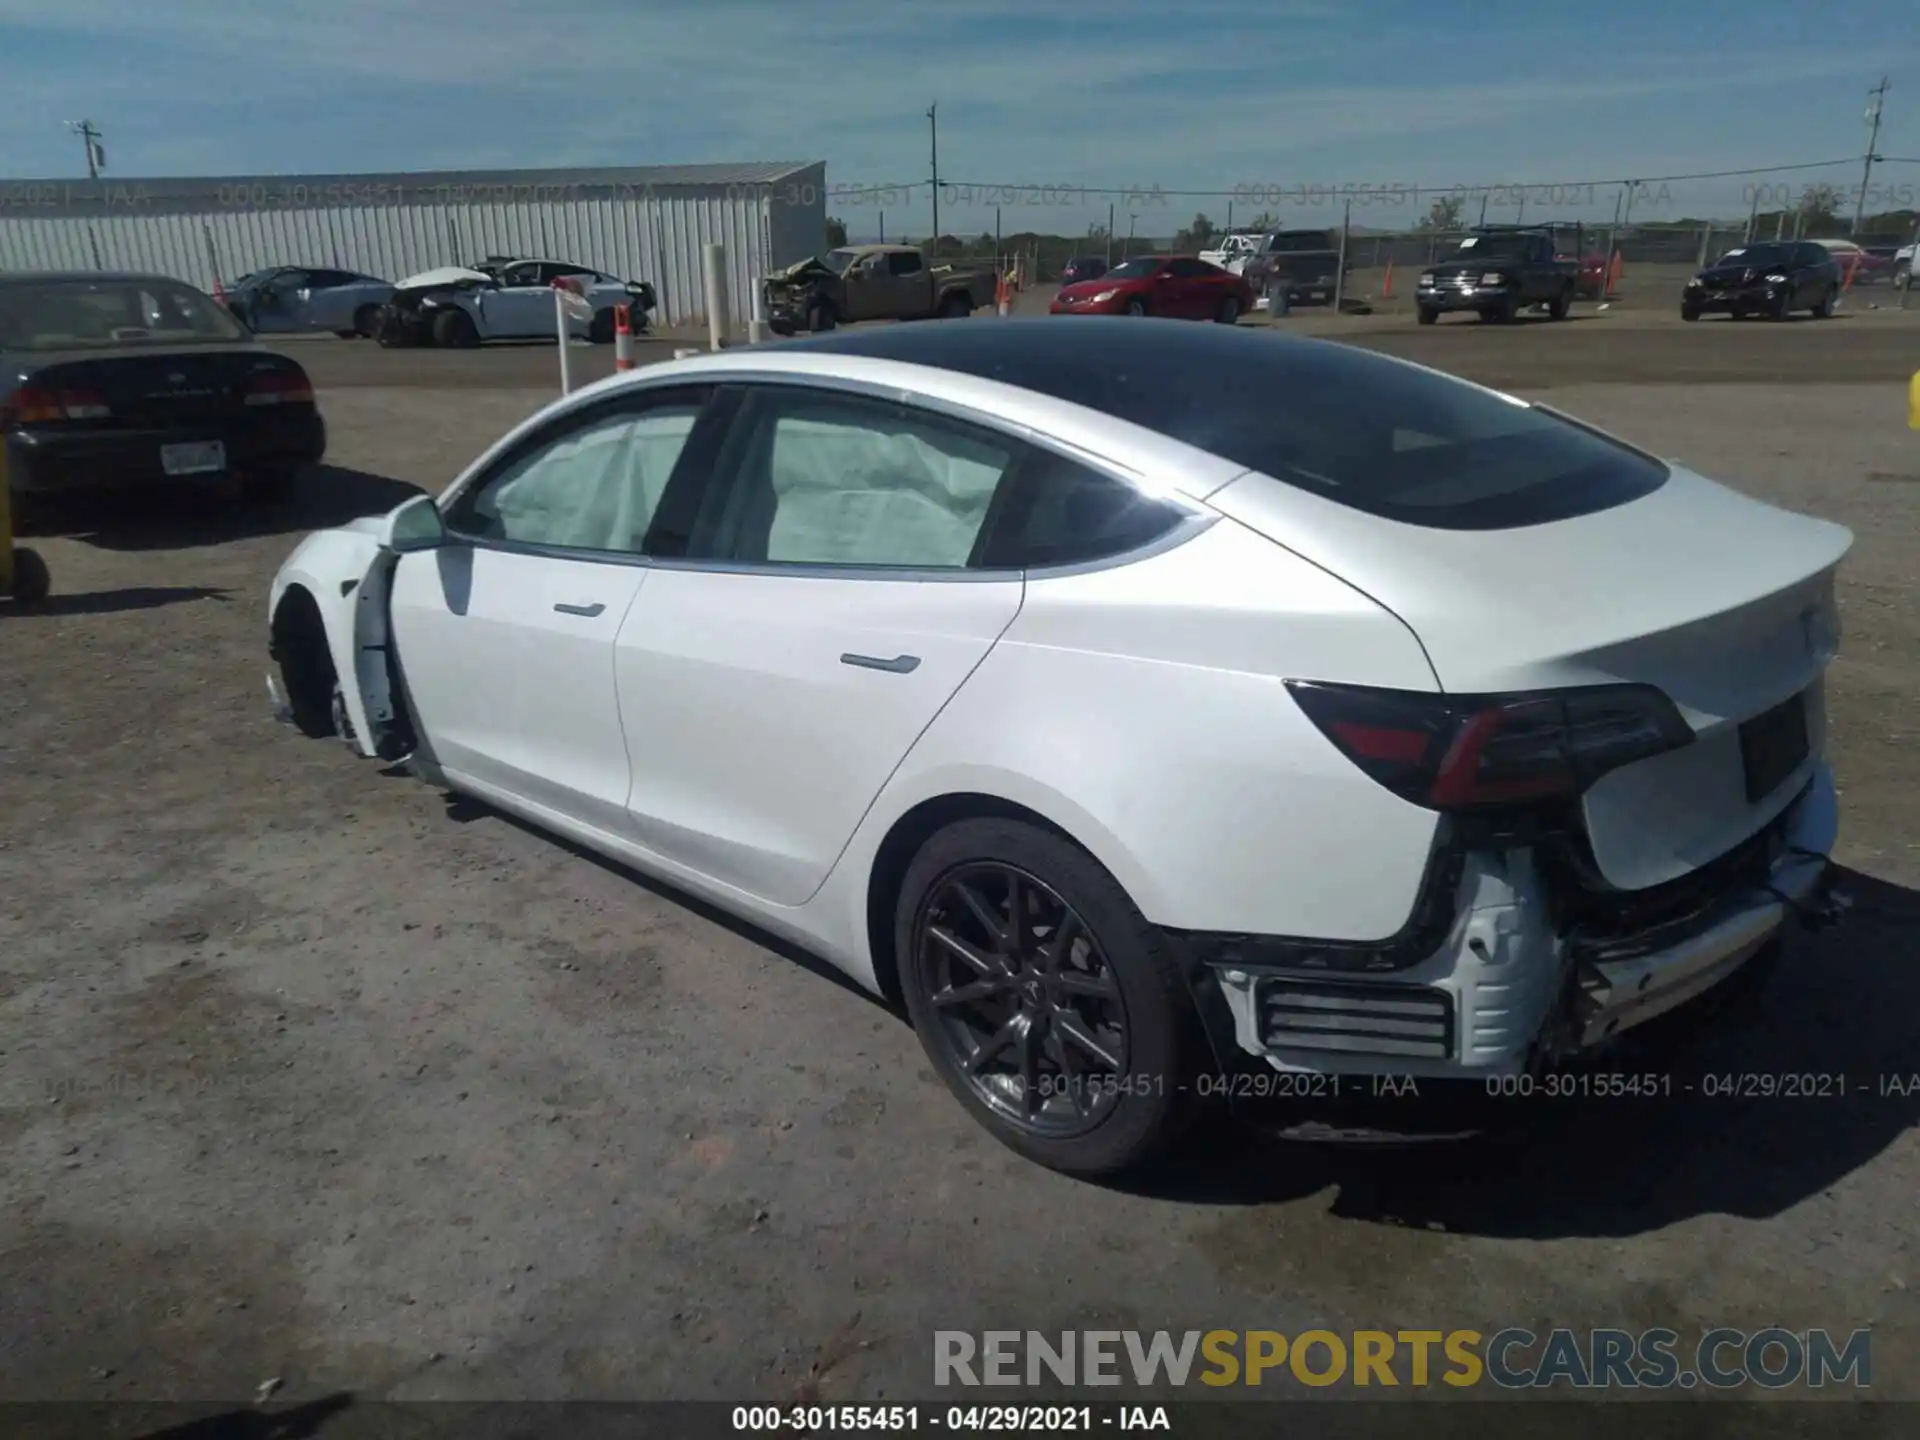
1513,1359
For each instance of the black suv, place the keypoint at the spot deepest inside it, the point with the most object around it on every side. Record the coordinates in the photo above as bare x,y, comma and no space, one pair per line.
1495,272
1773,278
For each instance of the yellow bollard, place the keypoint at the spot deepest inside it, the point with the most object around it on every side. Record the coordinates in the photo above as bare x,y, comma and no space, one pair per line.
23,574
1913,403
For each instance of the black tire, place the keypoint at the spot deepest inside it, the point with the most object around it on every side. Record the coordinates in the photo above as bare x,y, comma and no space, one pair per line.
366,320
1136,307
1828,302
32,581
956,306
1123,998
1426,315
1558,307
453,329
347,334
1689,312
820,317
600,328
1503,312
1229,311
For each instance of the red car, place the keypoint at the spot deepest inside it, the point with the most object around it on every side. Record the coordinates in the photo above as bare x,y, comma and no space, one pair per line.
1592,281
1175,287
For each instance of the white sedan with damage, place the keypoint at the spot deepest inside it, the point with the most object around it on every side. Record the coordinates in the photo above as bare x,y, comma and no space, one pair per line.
1137,707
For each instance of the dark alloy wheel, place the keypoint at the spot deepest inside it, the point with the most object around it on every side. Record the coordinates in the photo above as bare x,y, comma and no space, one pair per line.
1047,1004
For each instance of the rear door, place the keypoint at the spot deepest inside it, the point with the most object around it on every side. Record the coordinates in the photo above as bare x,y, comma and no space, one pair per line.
522,305
808,614
911,285
506,634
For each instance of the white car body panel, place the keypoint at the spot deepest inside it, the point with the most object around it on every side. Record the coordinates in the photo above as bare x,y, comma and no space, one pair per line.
1621,596
701,725
762,746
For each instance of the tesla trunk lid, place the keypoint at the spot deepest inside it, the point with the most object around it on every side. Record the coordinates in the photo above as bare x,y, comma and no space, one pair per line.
1723,602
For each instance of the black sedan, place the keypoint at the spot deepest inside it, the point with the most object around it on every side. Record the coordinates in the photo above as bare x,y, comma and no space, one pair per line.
118,381
1772,279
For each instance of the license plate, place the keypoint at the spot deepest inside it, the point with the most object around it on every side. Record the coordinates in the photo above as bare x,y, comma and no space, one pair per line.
1772,747
197,458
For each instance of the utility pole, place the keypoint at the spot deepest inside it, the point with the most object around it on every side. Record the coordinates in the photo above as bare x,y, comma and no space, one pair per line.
1877,94
933,135
96,153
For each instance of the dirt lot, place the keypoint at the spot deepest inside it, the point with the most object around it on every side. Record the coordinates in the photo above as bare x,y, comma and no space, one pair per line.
308,1074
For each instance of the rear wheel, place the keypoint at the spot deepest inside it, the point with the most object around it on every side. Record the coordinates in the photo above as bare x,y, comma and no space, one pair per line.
955,307
455,330
32,581
1229,312
1046,1002
366,320
1558,307
1828,302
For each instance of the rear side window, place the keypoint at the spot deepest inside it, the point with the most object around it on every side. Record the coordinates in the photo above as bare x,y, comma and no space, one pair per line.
1062,513
904,262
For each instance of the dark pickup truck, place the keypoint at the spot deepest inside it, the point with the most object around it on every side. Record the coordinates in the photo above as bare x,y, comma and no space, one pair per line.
1302,264
1496,272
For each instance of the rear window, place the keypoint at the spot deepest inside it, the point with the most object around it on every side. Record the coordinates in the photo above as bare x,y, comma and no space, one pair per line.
1357,428
86,314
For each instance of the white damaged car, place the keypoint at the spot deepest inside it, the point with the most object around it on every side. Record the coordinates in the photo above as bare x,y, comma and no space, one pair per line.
457,306
1136,705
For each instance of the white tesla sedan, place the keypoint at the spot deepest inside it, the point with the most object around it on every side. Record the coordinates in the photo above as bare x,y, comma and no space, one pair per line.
1135,704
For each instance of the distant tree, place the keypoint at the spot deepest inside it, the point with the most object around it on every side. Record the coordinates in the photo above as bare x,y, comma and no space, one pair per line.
1444,214
1819,208
1265,220
836,232
1196,236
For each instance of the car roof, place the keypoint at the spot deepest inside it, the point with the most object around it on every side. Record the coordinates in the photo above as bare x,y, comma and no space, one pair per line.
30,277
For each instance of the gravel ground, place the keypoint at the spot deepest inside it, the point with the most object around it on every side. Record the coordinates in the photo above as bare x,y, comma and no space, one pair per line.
309,1074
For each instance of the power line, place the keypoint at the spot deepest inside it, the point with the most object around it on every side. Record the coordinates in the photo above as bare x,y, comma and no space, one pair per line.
851,191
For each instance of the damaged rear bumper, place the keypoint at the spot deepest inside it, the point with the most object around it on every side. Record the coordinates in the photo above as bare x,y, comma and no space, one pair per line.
1512,987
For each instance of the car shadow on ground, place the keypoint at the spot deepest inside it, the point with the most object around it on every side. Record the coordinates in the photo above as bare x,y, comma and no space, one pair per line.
464,810
186,518
1801,1083
139,597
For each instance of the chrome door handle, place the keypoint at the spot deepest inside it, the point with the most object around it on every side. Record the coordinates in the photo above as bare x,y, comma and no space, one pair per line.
899,665
587,610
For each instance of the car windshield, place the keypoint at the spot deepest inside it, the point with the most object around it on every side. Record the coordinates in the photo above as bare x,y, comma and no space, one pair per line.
838,260
1143,267
1477,245
99,314
1757,255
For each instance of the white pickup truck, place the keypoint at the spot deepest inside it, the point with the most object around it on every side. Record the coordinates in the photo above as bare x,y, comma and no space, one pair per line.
1233,251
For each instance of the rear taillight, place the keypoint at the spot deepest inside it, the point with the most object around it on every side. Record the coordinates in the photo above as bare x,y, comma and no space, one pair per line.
1468,752
280,387
34,405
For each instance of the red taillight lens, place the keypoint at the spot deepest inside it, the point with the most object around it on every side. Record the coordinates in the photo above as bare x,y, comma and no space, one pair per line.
1465,752
36,405
280,387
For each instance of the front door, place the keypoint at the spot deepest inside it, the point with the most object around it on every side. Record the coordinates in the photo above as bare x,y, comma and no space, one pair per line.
506,634
816,609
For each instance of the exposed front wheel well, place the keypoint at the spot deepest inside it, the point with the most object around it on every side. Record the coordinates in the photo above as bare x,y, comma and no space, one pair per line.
911,831
299,638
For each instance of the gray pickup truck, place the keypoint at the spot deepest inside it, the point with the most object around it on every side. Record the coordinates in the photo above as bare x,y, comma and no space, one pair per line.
871,282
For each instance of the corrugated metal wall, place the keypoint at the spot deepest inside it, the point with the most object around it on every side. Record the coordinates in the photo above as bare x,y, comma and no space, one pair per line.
641,224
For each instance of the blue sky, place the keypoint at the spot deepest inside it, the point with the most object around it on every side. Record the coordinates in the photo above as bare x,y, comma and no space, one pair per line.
1282,98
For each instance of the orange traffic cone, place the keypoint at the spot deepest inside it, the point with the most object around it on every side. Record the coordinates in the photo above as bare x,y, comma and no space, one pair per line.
1853,268
622,338
1386,287
1614,267
1003,296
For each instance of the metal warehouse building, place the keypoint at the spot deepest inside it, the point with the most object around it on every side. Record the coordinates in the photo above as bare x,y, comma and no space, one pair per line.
641,223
